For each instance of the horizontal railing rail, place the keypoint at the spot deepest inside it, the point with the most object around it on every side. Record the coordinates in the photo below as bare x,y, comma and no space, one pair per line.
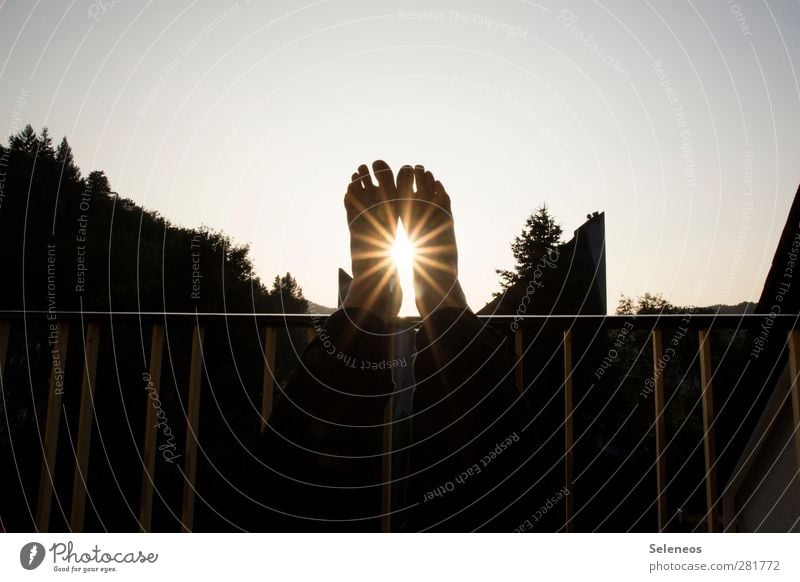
719,320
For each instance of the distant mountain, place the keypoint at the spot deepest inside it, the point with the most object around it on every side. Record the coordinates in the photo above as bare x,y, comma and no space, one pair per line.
321,309
743,307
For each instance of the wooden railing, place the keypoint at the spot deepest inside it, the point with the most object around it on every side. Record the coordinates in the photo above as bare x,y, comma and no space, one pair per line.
91,324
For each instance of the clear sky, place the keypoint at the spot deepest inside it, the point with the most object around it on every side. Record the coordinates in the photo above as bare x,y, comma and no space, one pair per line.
679,119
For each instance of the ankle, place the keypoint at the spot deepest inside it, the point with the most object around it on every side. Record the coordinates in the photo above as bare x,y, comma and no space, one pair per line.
373,294
454,298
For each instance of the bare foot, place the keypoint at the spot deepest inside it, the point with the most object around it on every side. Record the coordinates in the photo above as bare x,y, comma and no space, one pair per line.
372,218
428,220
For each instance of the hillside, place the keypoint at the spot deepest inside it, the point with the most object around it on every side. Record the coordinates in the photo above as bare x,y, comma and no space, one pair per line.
72,243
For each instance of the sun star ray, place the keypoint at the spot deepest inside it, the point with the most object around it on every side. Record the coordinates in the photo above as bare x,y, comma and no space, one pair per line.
404,254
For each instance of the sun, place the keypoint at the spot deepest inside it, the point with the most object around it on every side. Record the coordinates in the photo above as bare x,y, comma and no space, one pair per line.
403,254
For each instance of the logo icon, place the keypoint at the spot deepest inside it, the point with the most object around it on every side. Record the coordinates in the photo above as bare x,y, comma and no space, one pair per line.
31,555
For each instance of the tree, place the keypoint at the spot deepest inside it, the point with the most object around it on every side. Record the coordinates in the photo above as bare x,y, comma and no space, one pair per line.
540,235
25,141
45,150
65,159
649,303
288,295
97,183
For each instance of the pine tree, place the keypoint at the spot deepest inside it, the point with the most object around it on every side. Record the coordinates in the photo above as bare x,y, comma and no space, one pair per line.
288,295
540,234
65,159
45,151
25,141
98,183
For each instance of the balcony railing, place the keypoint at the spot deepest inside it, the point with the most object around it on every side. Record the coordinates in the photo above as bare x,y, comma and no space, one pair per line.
783,328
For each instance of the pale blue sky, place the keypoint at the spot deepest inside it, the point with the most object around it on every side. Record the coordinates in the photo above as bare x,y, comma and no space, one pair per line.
250,118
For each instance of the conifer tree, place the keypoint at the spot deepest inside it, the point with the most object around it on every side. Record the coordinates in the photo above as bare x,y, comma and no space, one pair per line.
66,161
288,295
25,141
98,183
45,150
540,234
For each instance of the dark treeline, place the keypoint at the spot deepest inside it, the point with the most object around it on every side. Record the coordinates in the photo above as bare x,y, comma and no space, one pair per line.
69,241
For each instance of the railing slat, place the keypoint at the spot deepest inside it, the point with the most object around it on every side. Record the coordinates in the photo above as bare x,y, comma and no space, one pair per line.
192,421
52,422
569,458
661,462
794,370
518,339
709,445
91,343
5,328
270,347
386,486
150,430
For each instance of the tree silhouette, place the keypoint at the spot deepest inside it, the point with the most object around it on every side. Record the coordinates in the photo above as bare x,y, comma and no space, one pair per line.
108,233
97,183
65,159
288,295
540,234
45,150
25,141
649,303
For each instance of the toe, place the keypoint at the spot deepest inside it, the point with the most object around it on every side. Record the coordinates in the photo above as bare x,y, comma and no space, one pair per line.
430,185
385,179
405,182
442,197
364,176
419,179
352,199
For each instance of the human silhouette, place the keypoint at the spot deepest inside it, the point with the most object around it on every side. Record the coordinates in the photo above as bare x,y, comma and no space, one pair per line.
466,466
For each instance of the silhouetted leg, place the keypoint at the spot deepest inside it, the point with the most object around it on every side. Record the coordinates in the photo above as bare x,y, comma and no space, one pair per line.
324,440
469,448
468,418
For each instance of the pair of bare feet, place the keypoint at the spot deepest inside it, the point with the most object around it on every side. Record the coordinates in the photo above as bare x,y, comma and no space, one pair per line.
423,205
